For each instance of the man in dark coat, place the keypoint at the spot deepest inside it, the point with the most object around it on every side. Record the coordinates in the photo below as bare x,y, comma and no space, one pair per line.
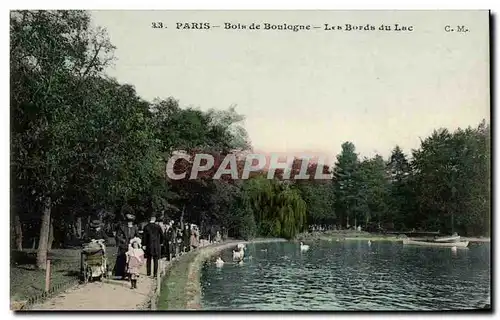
186,236
178,239
124,233
171,238
153,238
167,235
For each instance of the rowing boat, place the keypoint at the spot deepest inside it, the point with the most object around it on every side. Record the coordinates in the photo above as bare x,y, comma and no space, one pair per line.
461,244
448,239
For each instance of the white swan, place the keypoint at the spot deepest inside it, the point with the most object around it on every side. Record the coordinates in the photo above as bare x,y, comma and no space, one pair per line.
237,255
303,247
369,243
219,262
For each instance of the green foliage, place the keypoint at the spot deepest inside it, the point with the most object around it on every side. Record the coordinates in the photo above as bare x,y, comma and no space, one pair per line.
319,199
446,186
346,183
86,142
453,179
277,207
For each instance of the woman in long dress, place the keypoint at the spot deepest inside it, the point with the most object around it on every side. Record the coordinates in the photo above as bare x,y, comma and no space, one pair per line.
124,233
194,241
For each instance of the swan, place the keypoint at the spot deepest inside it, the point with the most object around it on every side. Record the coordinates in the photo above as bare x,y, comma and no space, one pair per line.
303,247
264,250
237,255
369,243
219,262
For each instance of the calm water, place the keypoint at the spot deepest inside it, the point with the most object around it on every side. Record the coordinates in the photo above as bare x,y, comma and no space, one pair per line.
349,275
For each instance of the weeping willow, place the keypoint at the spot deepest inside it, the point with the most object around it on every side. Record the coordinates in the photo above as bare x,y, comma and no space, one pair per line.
279,209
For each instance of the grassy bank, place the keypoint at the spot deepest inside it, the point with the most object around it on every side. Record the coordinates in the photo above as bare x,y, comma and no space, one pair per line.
26,282
344,235
173,287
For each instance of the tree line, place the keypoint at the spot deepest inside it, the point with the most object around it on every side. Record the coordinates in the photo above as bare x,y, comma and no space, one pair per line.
84,147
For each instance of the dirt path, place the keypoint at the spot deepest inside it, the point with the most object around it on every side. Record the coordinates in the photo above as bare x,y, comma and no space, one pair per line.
109,295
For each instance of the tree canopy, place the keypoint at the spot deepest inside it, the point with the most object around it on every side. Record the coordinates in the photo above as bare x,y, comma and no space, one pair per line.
85,146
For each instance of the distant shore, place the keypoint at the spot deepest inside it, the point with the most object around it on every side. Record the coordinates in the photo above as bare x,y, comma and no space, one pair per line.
344,235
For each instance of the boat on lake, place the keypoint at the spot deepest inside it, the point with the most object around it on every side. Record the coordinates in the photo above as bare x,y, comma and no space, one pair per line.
452,239
459,244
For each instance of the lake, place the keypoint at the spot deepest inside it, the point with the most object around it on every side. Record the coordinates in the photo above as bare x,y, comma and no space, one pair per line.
349,275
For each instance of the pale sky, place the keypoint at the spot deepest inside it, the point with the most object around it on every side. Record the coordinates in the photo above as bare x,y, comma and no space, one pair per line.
310,91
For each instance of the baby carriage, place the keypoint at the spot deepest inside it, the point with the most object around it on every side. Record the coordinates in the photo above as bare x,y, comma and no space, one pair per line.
94,262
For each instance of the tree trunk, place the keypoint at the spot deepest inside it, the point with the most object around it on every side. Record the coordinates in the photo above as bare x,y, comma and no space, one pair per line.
18,233
79,227
51,235
41,255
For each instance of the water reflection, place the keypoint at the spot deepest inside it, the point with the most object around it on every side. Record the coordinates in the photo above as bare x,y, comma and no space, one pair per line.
349,275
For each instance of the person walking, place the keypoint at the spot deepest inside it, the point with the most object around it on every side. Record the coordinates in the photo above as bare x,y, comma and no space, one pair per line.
186,237
172,238
135,259
124,233
160,220
194,239
178,240
95,233
153,238
166,240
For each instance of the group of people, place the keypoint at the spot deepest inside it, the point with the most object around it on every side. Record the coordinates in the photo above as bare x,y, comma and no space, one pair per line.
157,239
148,243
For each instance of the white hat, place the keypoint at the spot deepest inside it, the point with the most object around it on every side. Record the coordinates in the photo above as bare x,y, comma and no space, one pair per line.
136,239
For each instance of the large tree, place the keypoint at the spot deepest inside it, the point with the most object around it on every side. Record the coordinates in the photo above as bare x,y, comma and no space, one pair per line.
345,184
52,53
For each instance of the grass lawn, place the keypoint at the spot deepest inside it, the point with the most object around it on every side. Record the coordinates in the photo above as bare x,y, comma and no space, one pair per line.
27,282
173,287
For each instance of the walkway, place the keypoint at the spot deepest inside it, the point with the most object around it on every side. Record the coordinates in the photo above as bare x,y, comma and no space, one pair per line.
107,295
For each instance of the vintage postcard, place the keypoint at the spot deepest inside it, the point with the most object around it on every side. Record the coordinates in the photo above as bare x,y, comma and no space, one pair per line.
250,160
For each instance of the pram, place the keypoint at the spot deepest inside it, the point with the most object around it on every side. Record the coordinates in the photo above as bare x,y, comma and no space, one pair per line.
94,262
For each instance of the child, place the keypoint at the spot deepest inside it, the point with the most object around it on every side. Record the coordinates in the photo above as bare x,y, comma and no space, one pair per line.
135,259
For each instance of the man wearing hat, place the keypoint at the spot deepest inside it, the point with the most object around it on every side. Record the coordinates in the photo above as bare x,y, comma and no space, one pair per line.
153,238
171,238
124,233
